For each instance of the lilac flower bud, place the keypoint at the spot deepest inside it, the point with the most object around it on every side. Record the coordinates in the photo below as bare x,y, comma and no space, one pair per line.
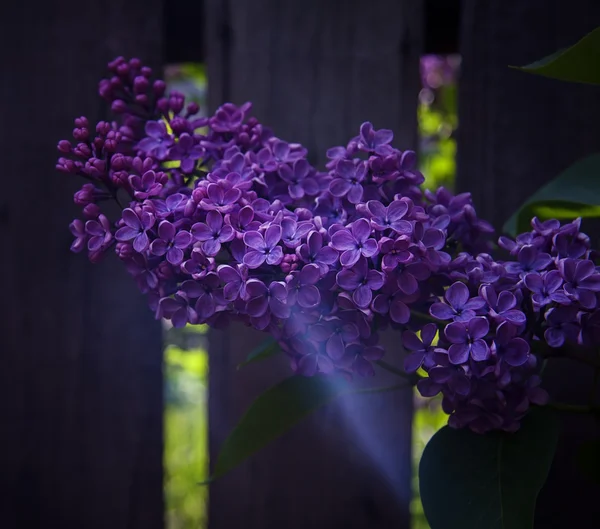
159,87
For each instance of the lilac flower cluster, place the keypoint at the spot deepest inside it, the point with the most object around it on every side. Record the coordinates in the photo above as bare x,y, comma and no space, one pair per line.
495,312
222,221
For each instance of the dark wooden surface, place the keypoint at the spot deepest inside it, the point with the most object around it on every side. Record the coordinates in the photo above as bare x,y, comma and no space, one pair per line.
517,131
81,381
315,71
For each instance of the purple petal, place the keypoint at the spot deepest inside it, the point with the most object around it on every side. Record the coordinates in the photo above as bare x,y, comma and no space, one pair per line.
350,257
126,233
456,333
457,295
428,388
479,327
355,194
307,365
275,256
343,240
362,296
254,239
201,232
256,307
517,352
131,219
254,259
175,256
407,283
413,362
396,210
370,248
441,311
272,235
361,229
348,280
458,353
309,296
399,312
480,350
214,221
411,341
506,301
211,247
428,333
141,242
339,187
309,275
159,247
335,347
166,230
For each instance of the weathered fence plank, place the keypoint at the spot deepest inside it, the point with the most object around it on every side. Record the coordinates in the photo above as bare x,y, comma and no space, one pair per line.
314,70
81,383
517,131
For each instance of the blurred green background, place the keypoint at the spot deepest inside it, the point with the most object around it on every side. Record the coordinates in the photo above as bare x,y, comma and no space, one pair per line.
185,357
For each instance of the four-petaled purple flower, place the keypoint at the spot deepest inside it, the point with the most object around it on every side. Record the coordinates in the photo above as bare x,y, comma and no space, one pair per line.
582,281
264,247
100,233
529,259
512,349
187,151
313,251
361,282
348,181
212,233
502,306
136,228
546,288
234,278
375,140
302,287
292,232
467,339
422,352
335,334
298,179
221,199
459,306
383,218
157,140
171,242
262,298
146,186
354,242
198,265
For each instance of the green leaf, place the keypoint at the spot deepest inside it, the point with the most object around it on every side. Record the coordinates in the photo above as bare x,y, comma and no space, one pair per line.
273,413
473,481
588,460
574,193
579,64
266,349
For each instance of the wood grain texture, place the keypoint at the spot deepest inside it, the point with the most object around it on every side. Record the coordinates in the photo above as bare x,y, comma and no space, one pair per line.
315,70
81,378
516,132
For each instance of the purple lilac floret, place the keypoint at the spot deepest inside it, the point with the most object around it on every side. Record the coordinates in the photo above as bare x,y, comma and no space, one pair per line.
221,221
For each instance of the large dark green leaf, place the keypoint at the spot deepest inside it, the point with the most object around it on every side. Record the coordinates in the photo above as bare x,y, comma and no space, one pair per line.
265,350
273,413
574,193
472,481
580,63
